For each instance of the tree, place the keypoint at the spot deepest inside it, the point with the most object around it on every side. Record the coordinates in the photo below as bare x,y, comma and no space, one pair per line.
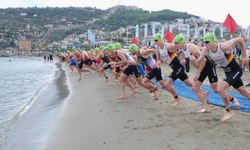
87,47
56,48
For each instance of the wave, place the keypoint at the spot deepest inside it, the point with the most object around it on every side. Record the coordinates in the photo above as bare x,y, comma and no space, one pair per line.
8,122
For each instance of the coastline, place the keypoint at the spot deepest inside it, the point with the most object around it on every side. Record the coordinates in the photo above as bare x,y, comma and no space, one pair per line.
30,131
92,118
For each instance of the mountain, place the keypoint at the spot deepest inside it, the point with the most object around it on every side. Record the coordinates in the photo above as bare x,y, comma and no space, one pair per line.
53,24
123,16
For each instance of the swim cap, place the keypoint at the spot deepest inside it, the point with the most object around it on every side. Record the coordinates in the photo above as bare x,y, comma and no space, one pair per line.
179,39
106,48
210,37
111,47
117,46
133,48
157,37
97,49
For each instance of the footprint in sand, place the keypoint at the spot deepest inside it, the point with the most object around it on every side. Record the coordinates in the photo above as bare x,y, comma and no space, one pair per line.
159,125
159,116
130,120
197,131
247,131
145,128
136,128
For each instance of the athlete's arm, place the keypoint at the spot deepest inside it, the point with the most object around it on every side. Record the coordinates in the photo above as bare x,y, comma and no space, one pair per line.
194,54
201,61
227,46
182,59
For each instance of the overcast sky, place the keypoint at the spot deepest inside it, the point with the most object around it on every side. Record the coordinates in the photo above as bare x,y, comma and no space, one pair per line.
216,10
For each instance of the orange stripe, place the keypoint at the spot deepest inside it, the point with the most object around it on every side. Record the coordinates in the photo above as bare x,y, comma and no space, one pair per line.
230,57
173,55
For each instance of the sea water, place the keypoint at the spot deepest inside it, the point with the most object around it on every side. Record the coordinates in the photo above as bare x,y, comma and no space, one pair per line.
21,79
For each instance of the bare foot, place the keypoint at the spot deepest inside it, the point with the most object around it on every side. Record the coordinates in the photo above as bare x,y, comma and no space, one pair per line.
236,103
176,102
228,115
137,86
154,97
133,93
121,97
205,92
158,92
203,110
155,94
79,79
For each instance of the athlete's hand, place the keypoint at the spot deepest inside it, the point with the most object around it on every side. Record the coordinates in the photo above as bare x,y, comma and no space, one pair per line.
196,77
183,61
244,60
246,39
125,63
158,62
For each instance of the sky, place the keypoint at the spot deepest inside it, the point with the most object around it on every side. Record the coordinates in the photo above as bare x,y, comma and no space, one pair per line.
216,10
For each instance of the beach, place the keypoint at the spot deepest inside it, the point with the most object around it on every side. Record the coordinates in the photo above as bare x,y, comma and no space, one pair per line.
68,72
92,118
31,127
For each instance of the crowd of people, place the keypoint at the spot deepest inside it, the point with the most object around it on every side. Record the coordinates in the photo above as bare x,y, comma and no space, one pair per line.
137,66
48,58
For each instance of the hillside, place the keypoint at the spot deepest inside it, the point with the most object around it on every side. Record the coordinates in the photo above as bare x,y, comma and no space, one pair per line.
124,16
53,24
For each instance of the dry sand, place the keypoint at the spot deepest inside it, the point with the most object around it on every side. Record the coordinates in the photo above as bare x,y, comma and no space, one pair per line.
93,119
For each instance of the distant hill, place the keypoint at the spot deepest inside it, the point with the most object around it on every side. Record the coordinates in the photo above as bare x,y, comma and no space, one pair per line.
122,16
53,24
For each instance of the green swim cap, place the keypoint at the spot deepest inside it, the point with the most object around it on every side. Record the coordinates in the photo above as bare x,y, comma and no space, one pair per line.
72,49
179,39
210,37
111,47
157,37
97,49
106,48
117,46
133,48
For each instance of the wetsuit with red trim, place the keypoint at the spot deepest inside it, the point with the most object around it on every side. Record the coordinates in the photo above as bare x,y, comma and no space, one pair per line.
178,68
209,69
131,69
87,60
232,69
153,70
106,62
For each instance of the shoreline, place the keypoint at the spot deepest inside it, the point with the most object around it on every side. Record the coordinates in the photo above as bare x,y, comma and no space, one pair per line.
14,107
24,135
87,115
92,118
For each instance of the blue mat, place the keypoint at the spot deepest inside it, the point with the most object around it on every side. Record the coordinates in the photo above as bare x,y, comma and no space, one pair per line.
185,91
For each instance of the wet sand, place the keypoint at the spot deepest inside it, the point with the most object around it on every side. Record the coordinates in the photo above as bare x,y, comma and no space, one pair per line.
93,119
31,130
